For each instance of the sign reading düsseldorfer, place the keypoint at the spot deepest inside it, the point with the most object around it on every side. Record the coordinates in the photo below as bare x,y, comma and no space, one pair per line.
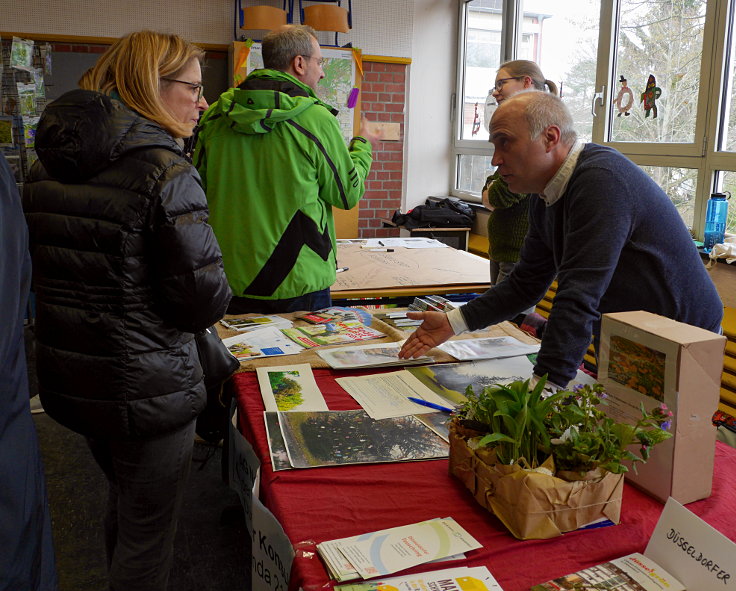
698,555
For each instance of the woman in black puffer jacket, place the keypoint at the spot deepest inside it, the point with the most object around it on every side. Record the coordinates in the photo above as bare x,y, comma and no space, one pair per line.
125,270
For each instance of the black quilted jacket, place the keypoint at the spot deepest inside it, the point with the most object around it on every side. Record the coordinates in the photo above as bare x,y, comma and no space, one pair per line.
125,269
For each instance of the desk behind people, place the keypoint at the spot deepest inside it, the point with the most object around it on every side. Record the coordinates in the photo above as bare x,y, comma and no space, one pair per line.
400,271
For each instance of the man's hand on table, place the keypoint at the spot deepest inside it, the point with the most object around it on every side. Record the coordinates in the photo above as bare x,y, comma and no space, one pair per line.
434,330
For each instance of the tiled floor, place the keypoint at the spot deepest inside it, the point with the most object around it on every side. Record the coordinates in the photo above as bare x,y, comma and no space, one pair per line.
211,548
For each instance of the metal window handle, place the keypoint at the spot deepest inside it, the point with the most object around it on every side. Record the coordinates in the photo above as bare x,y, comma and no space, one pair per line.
598,96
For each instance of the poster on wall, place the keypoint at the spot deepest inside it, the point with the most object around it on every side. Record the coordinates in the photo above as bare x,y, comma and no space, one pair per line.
21,54
334,89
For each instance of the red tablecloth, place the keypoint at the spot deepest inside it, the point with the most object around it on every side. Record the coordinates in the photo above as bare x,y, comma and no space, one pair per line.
319,504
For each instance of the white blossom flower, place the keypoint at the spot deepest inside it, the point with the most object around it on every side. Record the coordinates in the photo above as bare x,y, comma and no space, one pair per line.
566,436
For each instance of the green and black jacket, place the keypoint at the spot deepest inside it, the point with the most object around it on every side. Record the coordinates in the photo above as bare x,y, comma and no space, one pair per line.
273,162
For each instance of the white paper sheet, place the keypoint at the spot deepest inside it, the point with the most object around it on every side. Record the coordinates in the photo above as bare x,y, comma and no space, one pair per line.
384,396
488,348
403,242
374,355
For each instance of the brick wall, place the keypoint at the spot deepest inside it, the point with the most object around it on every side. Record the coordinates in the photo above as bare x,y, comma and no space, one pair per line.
383,95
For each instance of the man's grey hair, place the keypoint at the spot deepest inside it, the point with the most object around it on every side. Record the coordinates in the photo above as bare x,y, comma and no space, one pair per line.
280,47
544,109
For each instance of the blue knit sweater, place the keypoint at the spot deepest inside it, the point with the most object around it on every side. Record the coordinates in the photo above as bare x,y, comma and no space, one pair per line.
615,242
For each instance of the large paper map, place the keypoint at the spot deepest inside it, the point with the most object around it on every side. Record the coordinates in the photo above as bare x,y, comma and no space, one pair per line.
334,89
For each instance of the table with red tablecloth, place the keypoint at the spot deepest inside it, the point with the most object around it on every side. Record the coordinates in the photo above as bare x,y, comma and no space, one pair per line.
318,504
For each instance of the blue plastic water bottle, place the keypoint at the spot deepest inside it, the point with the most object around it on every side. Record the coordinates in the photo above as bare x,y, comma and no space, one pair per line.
715,220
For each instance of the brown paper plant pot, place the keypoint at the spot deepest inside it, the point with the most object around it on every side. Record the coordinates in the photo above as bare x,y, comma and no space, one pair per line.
532,505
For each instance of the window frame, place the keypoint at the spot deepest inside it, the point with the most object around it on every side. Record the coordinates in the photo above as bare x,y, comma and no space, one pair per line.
510,29
701,155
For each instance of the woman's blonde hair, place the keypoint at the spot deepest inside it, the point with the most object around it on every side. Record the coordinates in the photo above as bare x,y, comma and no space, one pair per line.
519,68
133,67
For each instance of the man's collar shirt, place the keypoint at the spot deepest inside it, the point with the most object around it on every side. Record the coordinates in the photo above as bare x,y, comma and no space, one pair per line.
558,183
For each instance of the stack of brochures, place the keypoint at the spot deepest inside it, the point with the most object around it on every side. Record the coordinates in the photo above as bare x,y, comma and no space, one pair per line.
391,550
432,303
466,578
398,320
338,314
332,333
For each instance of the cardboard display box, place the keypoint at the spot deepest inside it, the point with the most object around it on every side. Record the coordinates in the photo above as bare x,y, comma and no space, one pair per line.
649,359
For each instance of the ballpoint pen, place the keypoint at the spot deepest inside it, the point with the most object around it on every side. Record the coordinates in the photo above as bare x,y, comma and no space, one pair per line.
430,404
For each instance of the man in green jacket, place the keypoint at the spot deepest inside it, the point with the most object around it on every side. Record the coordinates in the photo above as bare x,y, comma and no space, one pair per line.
273,162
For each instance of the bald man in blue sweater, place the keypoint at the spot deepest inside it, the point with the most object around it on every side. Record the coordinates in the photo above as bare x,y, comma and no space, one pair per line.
597,223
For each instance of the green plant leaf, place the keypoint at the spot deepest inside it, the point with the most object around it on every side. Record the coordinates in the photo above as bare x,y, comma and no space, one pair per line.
495,438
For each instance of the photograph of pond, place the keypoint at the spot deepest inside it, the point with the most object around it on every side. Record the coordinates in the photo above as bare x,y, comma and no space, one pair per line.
331,438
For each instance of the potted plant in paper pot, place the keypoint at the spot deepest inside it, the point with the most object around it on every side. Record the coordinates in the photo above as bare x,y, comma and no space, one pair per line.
547,464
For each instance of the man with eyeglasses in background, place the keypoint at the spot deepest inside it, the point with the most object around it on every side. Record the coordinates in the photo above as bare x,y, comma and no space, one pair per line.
273,163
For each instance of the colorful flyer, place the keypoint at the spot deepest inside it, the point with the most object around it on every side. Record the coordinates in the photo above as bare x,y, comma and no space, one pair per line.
332,333
290,388
408,546
465,578
266,342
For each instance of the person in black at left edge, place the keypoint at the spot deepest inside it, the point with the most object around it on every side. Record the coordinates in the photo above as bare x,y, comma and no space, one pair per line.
26,548
126,269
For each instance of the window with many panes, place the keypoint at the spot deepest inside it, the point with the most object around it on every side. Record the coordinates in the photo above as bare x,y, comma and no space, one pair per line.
561,36
654,79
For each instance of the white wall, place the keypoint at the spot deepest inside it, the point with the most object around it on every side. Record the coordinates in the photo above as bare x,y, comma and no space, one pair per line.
380,27
210,22
428,162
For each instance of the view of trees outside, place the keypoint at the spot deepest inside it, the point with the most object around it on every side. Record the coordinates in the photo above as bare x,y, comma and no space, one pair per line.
568,54
473,171
679,185
663,39
729,139
729,136
659,53
729,184
482,58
